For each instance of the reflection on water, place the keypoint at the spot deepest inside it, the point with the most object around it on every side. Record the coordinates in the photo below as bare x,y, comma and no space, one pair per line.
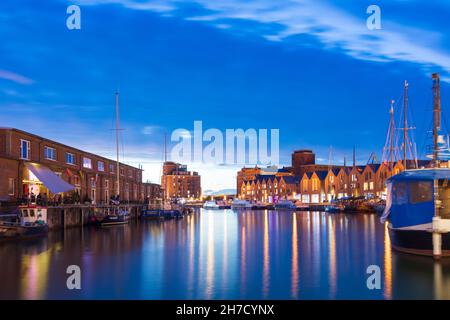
222,254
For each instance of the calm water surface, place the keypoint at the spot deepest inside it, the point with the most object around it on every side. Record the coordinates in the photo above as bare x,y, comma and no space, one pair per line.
222,254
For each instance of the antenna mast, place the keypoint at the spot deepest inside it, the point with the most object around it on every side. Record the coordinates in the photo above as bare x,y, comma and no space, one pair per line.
117,145
436,115
405,122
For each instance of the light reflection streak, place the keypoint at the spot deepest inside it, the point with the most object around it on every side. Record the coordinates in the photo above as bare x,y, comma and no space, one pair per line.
332,256
210,257
191,222
225,249
34,275
387,263
294,268
266,258
243,260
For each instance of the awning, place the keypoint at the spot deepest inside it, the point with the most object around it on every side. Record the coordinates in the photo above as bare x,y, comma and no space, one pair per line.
50,179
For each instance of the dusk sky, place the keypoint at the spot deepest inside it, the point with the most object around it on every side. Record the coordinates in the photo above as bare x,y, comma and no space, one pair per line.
311,69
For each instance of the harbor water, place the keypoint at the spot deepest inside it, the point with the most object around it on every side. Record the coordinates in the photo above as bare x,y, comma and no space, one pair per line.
224,254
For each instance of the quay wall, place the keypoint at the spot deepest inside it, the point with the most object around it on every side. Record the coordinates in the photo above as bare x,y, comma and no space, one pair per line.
77,216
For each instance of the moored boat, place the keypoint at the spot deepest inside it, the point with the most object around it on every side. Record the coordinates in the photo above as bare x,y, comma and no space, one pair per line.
30,222
285,205
211,205
418,211
334,208
239,204
114,216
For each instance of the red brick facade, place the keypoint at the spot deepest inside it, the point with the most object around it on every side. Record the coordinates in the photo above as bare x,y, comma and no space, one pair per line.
93,176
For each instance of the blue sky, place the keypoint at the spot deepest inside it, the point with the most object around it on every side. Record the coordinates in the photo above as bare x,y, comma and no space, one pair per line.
309,68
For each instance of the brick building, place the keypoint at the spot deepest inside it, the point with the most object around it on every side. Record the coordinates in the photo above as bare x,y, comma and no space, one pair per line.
318,183
178,182
92,177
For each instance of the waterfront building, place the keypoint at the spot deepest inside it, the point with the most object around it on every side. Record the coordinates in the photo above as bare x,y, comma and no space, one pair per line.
270,188
318,183
178,182
27,161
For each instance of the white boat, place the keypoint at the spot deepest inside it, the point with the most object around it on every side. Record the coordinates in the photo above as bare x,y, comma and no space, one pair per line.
30,222
210,205
285,205
240,204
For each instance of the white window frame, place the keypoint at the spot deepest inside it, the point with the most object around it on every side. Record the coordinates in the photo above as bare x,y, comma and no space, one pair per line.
102,167
85,163
71,156
28,144
49,153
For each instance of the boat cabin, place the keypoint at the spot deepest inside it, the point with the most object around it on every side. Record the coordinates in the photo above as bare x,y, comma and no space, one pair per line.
32,214
412,199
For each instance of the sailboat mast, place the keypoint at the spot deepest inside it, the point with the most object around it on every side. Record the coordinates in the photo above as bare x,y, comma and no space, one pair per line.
391,138
405,122
117,145
436,115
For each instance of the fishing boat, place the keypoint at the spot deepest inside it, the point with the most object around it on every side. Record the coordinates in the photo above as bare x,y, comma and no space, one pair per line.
31,221
417,209
239,204
210,205
285,205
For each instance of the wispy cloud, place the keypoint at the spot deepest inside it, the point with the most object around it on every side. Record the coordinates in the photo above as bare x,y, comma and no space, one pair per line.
334,27
17,78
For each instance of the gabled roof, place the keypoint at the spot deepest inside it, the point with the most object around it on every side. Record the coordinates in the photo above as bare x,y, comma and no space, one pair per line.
291,179
321,174
374,166
265,177
335,171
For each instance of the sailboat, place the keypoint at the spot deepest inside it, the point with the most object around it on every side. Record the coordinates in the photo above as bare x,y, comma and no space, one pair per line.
114,214
418,200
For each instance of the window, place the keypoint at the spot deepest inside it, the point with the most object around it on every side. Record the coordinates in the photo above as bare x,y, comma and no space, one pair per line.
122,171
70,158
101,166
331,178
11,186
421,191
400,196
366,186
111,168
93,183
25,149
50,153
315,184
371,185
87,163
